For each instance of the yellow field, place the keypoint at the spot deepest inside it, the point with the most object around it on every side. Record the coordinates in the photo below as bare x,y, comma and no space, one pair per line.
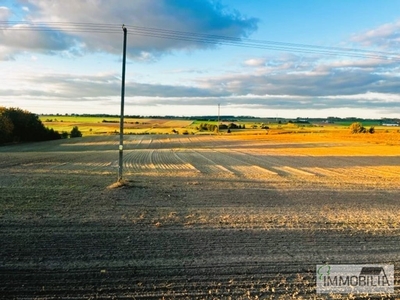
280,133
96,125
392,137
196,213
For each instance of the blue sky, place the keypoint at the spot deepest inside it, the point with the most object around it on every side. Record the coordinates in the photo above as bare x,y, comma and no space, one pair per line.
66,70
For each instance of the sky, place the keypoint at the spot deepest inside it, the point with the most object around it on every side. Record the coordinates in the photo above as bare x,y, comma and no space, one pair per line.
263,58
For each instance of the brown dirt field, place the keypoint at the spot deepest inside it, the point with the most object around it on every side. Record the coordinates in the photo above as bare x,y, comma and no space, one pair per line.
198,217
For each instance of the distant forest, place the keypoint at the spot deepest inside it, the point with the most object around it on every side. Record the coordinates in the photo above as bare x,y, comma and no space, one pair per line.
195,118
17,125
232,118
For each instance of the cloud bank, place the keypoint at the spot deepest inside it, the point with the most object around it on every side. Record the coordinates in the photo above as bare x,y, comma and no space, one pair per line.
62,18
279,81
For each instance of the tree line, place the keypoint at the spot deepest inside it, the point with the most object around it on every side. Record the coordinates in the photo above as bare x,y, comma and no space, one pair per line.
214,127
18,125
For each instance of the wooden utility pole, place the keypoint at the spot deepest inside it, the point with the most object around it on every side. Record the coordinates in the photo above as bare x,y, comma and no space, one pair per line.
218,118
121,122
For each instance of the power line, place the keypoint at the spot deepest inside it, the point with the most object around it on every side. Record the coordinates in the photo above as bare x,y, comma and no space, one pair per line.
250,41
110,28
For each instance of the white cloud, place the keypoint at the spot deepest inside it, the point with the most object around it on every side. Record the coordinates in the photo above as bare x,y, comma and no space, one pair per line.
4,13
154,15
255,62
20,37
369,96
284,92
282,82
386,36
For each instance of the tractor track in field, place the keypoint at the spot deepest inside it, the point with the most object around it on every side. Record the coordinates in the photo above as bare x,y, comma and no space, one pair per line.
92,260
199,217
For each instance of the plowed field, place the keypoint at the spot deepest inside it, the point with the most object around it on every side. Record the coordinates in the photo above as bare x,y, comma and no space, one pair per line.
200,217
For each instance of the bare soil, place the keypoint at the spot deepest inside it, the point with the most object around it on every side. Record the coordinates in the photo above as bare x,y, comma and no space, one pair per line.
197,217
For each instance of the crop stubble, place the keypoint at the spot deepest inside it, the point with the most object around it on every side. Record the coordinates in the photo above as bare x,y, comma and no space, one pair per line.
198,217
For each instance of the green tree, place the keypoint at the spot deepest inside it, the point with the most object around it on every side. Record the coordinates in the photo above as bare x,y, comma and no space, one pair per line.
357,127
24,126
6,129
75,132
233,126
27,126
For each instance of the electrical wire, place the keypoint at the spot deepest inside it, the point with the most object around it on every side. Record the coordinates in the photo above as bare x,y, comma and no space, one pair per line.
109,28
